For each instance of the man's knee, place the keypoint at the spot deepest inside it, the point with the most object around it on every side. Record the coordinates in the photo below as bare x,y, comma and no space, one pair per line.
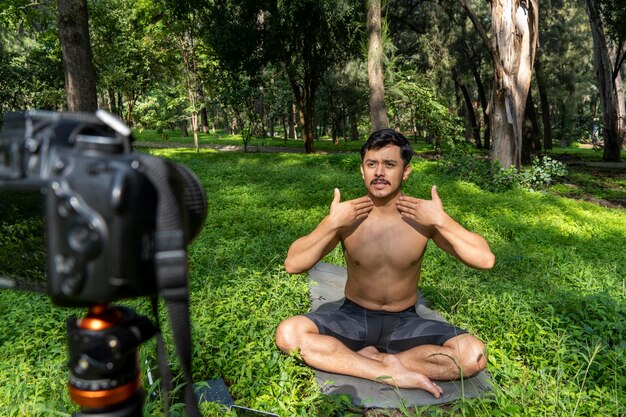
290,332
471,353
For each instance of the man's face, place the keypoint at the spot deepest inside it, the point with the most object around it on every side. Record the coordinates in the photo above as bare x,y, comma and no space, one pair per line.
383,171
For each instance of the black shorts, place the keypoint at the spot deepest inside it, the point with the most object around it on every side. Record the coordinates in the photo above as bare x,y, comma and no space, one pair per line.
358,327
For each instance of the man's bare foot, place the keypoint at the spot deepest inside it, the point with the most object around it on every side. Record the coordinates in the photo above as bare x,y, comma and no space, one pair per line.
372,353
403,377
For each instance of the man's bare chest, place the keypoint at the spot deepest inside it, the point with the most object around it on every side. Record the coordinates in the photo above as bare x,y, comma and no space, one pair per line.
394,244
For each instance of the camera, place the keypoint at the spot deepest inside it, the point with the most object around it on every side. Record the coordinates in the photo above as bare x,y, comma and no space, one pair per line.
115,218
117,225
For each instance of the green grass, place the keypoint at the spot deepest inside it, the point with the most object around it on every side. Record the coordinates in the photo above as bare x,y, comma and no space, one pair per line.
592,183
584,153
323,145
552,311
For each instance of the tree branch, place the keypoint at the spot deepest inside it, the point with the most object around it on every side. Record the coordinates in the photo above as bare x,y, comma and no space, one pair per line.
483,34
619,60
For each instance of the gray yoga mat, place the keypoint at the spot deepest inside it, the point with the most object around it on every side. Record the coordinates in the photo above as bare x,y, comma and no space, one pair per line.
327,283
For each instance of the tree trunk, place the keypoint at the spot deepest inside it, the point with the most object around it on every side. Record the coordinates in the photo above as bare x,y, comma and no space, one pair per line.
532,142
354,128
293,124
378,109
512,50
283,120
414,124
112,102
515,38
484,105
471,126
609,85
120,104
546,119
191,76
503,148
80,76
532,115
305,98
204,117
182,123
131,99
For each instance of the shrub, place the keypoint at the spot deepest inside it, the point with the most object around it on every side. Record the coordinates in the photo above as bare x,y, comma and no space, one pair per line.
493,177
503,179
542,172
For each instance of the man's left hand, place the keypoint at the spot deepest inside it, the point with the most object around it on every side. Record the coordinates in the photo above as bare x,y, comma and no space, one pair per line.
424,212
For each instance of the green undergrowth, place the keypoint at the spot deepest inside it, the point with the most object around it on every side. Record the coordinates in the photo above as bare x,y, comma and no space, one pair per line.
583,182
322,145
552,310
222,138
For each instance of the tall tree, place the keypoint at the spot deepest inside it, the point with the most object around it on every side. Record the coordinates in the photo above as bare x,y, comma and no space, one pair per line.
31,71
133,52
545,104
305,37
512,49
609,56
378,110
564,72
467,70
80,76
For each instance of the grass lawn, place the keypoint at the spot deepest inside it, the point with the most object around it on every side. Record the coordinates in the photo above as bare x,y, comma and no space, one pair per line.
322,145
552,310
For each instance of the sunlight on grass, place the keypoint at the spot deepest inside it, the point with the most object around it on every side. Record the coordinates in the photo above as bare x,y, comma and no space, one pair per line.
552,311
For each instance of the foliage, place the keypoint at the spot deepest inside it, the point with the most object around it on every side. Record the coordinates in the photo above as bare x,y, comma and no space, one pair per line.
344,95
133,51
304,37
552,310
139,60
567,61
414,104
491,176
30,56
542,172
614,15
22,245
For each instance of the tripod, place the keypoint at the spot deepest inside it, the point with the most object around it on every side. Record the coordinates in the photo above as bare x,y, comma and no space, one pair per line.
104,372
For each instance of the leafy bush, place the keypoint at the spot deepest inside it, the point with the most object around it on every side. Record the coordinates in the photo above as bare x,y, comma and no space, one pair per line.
503,179
493,177
542,172
460,163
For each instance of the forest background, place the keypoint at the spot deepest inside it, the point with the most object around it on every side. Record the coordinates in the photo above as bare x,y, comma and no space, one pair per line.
307,75
305,69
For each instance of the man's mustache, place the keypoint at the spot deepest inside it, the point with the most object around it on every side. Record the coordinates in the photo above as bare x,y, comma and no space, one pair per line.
379,181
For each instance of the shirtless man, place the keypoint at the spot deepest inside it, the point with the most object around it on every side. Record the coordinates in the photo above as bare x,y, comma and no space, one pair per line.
376,333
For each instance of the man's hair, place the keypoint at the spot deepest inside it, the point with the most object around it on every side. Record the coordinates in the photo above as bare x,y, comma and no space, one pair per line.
384,137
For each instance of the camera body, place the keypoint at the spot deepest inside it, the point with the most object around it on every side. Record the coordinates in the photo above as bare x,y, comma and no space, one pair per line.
101,202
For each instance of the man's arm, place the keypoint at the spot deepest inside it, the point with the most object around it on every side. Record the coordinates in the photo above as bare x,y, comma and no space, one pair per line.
308,250
468,247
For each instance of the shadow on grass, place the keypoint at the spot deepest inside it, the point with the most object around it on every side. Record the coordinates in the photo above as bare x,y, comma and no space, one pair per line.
557,287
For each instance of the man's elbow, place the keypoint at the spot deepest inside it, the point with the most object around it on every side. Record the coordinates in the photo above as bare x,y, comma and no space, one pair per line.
292,267
488,261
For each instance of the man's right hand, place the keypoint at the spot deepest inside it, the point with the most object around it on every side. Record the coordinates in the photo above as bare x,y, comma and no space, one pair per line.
344,214
309,249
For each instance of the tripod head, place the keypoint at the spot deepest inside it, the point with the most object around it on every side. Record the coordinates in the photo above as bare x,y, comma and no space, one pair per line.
104,371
